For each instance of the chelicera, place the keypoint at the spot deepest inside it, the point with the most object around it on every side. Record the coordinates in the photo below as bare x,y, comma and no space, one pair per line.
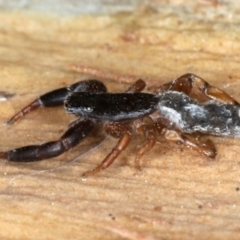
180,111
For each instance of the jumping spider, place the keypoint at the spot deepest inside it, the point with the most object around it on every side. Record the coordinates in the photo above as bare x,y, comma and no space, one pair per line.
179,111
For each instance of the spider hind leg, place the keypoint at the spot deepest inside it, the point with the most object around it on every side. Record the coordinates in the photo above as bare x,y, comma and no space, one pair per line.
198,89
193,141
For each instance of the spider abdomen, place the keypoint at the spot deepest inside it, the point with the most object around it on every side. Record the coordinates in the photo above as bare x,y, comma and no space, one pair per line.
212,117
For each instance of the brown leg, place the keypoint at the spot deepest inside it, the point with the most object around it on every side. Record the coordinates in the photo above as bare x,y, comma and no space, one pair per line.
145,128
197,89
116,130
192,141
103,73
138,86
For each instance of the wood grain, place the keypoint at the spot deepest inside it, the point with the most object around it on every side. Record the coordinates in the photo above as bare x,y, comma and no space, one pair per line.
178,194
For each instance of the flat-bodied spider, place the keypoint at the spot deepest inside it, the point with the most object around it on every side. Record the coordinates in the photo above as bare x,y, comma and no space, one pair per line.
179,111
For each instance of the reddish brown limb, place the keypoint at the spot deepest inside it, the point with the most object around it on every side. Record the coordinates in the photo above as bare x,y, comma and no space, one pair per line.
145,128
104,73
138,86
3,155
193,141
203,146
32,106
116,130
198,89
50,99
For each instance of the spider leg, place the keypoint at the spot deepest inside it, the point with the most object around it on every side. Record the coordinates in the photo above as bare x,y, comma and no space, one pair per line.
99,73
73,136
147,129
138,86
197,89
193,141
143,129
116,130
56,97
50,99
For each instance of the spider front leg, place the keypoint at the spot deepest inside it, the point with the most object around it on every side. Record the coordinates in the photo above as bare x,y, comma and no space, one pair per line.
116,130
193,141
57,97
198,89
73,136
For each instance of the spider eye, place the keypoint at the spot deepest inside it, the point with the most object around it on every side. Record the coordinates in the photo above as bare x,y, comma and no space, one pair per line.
88,109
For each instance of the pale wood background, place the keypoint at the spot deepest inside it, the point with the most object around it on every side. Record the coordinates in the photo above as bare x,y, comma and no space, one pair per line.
179,194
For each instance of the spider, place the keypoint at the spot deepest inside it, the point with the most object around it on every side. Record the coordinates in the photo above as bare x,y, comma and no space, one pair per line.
180,111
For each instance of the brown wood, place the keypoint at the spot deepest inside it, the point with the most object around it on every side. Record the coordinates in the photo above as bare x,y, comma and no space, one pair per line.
179,194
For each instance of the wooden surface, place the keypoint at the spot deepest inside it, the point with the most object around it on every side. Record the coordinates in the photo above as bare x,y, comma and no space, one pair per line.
179,194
